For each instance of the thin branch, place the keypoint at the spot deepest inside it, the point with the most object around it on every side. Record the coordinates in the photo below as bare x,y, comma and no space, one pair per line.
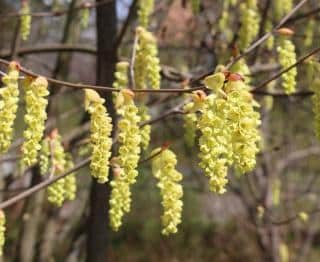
42,185
103,88
299,61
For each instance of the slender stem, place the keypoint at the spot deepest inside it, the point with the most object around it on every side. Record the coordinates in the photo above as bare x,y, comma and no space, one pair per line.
299,61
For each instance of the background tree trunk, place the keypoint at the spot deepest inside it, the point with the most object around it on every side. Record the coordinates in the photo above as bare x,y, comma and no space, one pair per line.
98,223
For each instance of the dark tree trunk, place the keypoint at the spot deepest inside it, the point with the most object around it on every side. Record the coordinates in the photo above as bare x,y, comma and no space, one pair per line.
98,223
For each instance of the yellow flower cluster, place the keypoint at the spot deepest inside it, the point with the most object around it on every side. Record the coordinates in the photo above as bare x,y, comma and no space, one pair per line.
228,126
243,123
36,103
129,151
315,87
270,40
2,231
145,131
282,8
25,19
84,17
147,63
121,75
190,124
144,12
100,138
56,191
287,57
121,79
249,18
309,33
8,105
195,6
214,142
70,186
44,156
163,168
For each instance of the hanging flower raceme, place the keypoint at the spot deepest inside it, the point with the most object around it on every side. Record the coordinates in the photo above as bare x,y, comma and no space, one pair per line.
121,78
214,142
163,168
229,127
195,6
243,122
309,32
121,75
35,92
270,40
44,156
315,87
56,191
8,105
249,18
25,19
282,8
190,117
70,186
145,131
85,15
127,160
147,64
2,231
190,124
287,57
100,138
145,10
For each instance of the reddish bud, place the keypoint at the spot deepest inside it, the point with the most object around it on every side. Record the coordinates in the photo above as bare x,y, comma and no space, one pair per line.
285,31
166,145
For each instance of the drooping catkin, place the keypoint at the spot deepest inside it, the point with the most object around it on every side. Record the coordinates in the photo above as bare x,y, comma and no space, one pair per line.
282,8
195,6
147,64
309,33
70,183
35,92
121,80
249,18
100,137
8,105
121,75
287,57
145,131
214,142
56,191
229,129
315,87
243,122
189,124
44,156
128,157
2,231
145,10
25,20
85,15
270,40
164,169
